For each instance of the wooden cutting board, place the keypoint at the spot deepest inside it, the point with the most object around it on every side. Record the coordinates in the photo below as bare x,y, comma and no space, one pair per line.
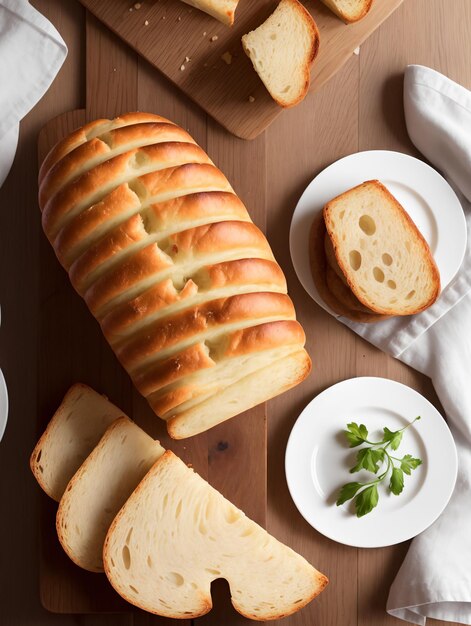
232,456
187,46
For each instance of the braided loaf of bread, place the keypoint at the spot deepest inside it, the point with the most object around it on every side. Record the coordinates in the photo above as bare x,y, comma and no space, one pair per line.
183,284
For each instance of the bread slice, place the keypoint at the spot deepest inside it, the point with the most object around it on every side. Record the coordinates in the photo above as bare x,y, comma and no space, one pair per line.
282,50
349,10
99,489
386,261
74,430
243,394
340,302
176,534
222,10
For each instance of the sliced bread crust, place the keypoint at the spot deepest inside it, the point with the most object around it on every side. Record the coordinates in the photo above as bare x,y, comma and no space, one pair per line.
99,489
269,52
72,433
319,268
176,534
349,11
222,10
385,259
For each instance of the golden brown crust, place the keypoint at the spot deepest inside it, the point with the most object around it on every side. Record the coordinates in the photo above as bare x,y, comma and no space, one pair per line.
314,51
246,273
321,582
365,8
409,225
208,317
246,341
89,132
131,165
99,149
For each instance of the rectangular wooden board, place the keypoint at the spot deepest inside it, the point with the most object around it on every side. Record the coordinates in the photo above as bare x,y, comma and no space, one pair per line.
72,348
168,32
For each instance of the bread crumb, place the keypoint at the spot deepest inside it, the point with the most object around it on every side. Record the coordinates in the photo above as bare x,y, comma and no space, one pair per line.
227,57
137,6
163,17
204,34
357,51
187,59
146,23
179,19
214,38
251,99
130,9
114,69
182,67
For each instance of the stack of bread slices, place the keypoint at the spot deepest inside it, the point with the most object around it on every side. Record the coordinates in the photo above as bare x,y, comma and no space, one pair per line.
368,259
159,531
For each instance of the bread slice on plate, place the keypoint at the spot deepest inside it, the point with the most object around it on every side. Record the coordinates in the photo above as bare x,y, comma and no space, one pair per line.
282,50
99,489
74,430
176,534
222,10
337,296
386,261
349,10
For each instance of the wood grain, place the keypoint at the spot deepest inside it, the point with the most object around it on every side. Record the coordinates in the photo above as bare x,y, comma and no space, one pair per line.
215,455
361,108
166,33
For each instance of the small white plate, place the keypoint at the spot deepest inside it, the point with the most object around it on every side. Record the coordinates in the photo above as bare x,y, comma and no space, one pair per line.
3,405
318,459
424,194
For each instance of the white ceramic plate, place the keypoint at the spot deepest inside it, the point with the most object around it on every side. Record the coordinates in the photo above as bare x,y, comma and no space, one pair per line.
3,405
425,195
318,459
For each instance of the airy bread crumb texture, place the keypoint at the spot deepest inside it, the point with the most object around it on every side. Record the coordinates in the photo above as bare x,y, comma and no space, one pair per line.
176,534
282,50
384,258
349,10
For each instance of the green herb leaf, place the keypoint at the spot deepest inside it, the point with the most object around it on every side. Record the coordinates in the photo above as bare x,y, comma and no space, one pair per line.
356,434
396,484
347,492
395,437
368,459
366,500
408,463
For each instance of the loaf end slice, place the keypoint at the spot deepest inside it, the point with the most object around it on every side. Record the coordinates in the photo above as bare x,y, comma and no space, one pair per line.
270,380
176,534
386,261
349,10
99,489
222,10
340,300
282,50
73,432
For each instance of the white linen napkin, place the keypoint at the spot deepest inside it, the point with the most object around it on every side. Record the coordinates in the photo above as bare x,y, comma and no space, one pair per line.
31,54
435,579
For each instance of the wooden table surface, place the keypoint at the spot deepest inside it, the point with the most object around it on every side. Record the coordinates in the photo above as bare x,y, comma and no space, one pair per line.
359,109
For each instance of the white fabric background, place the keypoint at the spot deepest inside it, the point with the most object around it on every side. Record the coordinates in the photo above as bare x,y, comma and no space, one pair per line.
31,54
435,578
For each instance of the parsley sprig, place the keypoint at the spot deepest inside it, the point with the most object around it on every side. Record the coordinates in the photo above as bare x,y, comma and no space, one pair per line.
372,458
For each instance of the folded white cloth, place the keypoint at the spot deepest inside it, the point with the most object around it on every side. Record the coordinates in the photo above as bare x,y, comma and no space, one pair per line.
31,54
435,578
